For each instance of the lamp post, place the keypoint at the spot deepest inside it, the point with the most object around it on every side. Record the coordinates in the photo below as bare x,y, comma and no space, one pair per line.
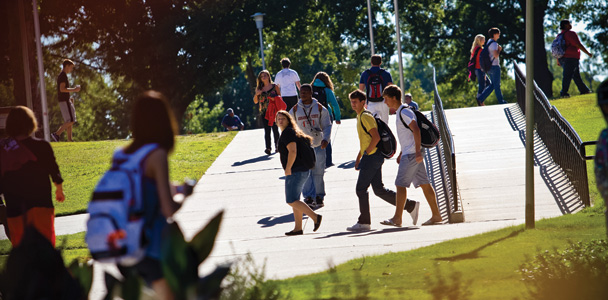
259,23
371,30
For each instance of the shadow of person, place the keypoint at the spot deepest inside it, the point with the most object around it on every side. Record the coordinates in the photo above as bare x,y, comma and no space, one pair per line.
271,221
251,160
347,165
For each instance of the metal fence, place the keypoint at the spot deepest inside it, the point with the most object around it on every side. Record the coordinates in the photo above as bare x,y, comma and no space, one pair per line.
447,158
559,137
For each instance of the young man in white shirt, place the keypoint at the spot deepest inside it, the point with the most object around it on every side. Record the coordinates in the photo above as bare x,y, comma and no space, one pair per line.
289,82
410,160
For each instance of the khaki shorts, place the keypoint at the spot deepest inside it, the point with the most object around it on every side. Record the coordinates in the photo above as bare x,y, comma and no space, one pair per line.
67,111
411,172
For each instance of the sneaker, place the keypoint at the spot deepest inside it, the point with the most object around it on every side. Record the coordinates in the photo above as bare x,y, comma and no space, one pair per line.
359,227
54,137
310,202
414,212
319,203
267,151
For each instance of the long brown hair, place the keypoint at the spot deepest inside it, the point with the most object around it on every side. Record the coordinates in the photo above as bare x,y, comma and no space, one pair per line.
152,121
260,83
325,78
292,123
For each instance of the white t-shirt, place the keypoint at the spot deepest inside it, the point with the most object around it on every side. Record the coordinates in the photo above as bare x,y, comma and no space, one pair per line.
494,47
404,134
287,79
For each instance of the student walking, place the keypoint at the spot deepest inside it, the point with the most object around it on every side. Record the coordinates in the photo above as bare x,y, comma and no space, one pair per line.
369,163
494,73
291,143
66,103
570,61
482,79
267,95
411,164
313,119
373,81
289,82
323,91
26,163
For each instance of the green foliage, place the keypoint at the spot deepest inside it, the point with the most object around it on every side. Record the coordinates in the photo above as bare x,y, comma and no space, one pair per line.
578,272
247,281
199,118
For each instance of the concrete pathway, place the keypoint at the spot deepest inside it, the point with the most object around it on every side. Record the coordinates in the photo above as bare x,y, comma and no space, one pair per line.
249,186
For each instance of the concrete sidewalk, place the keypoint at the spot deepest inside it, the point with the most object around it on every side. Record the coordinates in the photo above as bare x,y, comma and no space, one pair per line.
248,185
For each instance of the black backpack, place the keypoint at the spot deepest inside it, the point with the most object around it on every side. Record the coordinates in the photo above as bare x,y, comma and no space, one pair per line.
485,61
471,65
387,144
306,153
429,134
318,92
374,86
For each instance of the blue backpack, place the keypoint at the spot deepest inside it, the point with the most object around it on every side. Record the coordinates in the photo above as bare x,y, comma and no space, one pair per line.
485,61
558,47
115,229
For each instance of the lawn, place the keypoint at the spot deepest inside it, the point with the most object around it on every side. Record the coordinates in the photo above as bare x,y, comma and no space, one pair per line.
82,163
479,267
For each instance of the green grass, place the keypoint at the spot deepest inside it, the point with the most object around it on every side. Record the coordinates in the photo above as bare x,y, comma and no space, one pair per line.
83,163
484,266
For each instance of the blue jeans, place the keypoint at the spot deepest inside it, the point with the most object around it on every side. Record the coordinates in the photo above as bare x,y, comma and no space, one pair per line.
370,172
293,186
495,86
315,185
482,81
328,161
572,71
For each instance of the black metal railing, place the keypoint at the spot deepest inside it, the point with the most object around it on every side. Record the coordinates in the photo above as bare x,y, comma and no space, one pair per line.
562,141
447,156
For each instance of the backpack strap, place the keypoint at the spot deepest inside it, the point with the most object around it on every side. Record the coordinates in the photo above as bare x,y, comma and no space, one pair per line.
401,118
361,121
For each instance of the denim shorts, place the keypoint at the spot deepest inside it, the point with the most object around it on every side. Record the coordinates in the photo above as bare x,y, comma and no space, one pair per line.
411,172
294,184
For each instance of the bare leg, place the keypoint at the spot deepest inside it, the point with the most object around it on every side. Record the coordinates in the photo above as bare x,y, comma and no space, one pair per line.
162,289
62,128
69,130
401,197
429,194
300,207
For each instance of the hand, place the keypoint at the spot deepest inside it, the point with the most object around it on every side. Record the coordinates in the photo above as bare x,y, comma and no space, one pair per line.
499,48
399,159
418,157
287,171
59,195
590,54
338,122
77,88
357,164
324,144
257,92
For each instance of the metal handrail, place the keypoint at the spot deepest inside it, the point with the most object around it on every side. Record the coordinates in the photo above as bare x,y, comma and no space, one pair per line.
446,151
562,141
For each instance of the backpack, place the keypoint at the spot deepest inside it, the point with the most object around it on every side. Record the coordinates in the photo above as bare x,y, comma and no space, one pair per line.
429,134
318,92
116,224
471,65
306,153
558,47
387,144
374,86
485,61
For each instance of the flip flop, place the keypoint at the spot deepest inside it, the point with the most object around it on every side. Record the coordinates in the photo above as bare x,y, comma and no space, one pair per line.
390,222
431,222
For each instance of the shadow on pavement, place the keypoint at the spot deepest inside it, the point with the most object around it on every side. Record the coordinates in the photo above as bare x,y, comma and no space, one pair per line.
271,221
370,232
347,165
475,253
252,160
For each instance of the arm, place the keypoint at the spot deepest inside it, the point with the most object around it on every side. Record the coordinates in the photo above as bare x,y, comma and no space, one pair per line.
63,89
59,195
416,132
157,167
333,102
358,160
298,85
291,157
362,86
326,127
375,139
277,88
257,95
496,52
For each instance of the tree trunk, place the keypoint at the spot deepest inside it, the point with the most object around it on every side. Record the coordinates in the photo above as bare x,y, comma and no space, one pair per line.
542,75
11,13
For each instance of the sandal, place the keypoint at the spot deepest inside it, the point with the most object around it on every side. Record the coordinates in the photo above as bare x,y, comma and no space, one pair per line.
390,222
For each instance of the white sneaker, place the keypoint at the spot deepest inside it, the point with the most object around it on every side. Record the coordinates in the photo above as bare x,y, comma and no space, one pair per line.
359,227
414,212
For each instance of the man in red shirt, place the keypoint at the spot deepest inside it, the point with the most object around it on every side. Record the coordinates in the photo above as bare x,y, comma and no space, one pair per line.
569,62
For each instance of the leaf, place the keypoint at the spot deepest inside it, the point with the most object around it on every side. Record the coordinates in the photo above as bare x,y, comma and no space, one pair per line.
83,273
209,287
203,242
178,261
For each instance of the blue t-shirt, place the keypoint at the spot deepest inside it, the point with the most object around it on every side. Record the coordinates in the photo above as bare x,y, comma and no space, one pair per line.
414,105
386,76
231,121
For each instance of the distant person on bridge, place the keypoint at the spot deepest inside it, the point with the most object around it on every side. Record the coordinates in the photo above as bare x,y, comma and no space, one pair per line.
373,81
570,61
410,160
495,49
482,78
231,121
267,95
408,100
296,171
289,82
601,154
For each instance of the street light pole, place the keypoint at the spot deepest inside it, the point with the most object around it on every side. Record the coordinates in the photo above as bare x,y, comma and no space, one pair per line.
371,29
259,23
530,114
399,44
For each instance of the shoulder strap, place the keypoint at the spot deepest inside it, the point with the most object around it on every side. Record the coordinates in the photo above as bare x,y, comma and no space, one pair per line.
401,118
361,120
477,52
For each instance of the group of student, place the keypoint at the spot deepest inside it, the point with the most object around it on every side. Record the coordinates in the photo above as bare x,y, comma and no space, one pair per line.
307,121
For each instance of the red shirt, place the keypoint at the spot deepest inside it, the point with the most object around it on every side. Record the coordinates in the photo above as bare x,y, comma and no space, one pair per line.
477,65
572,51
